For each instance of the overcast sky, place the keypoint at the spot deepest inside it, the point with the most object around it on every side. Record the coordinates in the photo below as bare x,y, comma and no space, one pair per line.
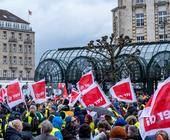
64,23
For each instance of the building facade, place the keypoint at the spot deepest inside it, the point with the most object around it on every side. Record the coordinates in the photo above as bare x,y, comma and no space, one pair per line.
17,48
142,20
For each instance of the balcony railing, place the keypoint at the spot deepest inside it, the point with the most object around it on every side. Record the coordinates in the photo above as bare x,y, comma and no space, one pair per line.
161,2
12,39
28,41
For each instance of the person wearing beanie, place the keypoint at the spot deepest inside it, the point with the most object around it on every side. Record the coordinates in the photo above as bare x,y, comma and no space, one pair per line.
57,124
118,132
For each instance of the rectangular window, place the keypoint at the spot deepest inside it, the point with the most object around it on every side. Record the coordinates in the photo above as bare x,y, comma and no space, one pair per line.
162,17
140,38
10,59
20,49
4,47
20,73
20,36
28,74
25,61
14,48
29,49
14,60
4,73
12,73
20,61
140,20
139,1
5,60
162,37
4,36
29,61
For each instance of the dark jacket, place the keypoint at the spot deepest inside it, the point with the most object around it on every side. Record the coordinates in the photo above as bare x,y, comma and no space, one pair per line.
45,137
12,134
27,135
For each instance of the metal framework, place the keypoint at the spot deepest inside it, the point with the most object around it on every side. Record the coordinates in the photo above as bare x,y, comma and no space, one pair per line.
68,64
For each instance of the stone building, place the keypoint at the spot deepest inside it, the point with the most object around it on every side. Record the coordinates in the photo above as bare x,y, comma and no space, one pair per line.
17,48
142,20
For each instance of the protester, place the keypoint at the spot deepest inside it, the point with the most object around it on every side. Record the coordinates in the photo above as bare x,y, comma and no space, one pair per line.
14,130
46,128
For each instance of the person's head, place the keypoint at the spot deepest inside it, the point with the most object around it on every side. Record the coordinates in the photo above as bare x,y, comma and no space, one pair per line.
39,107
33,109
17,125
118,132
46,127
84,131
103,126
162,135
66,102
57,122
88,119
132,131
53,109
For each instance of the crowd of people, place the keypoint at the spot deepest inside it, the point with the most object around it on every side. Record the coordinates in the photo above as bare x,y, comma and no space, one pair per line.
56,120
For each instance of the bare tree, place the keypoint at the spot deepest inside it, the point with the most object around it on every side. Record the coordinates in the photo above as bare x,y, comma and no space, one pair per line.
110,48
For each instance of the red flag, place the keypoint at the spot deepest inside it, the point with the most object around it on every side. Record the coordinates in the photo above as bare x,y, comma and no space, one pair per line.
39,91
158,112
73,97
123,91
2,94
85,81
14,94
94,96
30,12
63,88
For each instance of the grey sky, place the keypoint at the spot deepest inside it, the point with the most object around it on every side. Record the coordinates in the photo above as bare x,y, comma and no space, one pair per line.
64,23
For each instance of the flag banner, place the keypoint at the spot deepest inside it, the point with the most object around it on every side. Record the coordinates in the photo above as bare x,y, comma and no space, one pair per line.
63,88
2,94
38,91
30,12
73,97
14,94
85,81
123,91
94,96
158,112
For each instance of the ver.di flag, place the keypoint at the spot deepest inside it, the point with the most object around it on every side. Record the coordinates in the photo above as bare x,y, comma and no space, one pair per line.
38,91
159,112
123,91
94,96
73,97
62,87
2,94
85,81
14,94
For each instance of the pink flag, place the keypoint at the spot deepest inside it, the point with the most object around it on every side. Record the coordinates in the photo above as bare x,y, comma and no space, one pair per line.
39,91
94,96
158,112
14,94
123,91
2,94
85,81
73,97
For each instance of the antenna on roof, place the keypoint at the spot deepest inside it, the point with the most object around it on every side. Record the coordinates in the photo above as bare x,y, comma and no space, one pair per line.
29,14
